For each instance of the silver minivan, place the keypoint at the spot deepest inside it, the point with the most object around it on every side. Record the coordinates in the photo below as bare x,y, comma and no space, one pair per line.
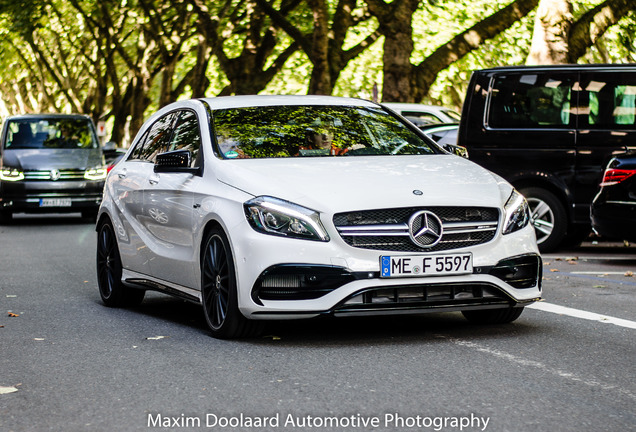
50,163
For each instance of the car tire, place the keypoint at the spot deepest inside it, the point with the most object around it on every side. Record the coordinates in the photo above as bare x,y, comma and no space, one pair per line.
90,215
109,270
493,316
548,217
5,217
219,294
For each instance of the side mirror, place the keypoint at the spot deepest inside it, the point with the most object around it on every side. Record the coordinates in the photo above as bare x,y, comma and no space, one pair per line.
175,161
456,150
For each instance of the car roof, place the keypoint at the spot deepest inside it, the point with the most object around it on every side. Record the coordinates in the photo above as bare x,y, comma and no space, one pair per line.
563,67
414,106
224,102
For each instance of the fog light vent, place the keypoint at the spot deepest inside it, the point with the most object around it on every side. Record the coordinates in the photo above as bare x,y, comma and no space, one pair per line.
299,282
520,272
281,281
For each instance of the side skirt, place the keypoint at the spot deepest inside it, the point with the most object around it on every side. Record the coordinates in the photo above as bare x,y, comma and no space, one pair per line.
140,281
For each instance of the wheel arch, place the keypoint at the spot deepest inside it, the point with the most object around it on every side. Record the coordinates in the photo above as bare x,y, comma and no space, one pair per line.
561,192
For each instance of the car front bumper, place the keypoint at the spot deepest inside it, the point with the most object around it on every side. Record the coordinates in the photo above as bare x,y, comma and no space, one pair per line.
50,196
282,278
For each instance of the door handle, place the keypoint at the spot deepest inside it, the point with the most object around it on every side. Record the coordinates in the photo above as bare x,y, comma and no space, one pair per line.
122,174
153,181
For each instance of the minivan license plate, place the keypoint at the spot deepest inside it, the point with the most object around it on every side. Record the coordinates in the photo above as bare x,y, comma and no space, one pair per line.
427,265
55,202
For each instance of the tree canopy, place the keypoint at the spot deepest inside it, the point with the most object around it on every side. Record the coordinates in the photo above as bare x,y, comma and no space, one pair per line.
118,60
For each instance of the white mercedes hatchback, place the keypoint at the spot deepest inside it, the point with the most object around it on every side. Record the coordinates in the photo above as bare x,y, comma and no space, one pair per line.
281,207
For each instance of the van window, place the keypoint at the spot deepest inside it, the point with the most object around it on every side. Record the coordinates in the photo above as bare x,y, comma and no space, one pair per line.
612,101
50,133
530,100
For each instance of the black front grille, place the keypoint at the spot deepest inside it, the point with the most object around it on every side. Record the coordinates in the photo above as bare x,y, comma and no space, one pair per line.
387,229
433,296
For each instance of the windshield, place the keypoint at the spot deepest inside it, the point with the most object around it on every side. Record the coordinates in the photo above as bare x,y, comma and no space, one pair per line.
51,133
312,131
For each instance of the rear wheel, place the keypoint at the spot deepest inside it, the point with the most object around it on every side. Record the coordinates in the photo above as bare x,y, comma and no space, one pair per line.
219,290
548,217
109,269
493,316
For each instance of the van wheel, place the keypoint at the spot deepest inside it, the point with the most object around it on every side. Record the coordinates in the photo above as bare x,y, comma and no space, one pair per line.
548,217
5,217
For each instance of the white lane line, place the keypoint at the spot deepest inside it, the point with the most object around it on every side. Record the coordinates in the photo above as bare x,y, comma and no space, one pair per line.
562,310
561,373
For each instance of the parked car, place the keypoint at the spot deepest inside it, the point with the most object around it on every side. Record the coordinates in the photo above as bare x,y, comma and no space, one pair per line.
421,114
281,207
50,163
112,154
613,211
445,134
550,131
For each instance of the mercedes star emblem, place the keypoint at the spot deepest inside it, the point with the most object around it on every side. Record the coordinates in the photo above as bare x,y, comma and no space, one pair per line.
425,229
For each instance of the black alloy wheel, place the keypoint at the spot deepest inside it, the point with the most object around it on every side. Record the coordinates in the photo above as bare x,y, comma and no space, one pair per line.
109,271
219,290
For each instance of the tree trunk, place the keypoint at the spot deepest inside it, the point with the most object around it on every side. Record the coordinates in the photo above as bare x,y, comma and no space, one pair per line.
550,38
396,26
320,82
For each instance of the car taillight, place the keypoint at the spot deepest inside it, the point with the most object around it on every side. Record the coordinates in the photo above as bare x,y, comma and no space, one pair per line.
614,176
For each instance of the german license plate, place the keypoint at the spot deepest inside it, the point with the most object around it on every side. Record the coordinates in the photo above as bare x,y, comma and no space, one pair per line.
55,202
426,265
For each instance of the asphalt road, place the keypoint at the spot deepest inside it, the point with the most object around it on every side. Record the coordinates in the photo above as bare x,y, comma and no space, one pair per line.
72,364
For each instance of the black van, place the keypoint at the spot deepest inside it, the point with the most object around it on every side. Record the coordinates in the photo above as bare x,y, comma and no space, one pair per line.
550,130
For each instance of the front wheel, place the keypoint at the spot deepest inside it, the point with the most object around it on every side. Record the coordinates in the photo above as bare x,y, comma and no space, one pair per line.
493,316
548,217
219,290
5,217
109,270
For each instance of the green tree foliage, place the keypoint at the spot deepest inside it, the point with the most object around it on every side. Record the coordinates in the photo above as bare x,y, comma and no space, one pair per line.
119,60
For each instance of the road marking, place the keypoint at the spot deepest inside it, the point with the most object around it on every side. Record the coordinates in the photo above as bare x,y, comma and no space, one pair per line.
562,310
588,381
631,282
600,273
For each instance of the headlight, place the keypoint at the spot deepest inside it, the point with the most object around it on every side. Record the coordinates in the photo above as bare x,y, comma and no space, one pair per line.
95,174
274,216
517,213
11,174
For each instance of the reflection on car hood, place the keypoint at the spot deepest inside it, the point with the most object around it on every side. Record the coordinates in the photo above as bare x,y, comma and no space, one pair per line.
45,159
341,184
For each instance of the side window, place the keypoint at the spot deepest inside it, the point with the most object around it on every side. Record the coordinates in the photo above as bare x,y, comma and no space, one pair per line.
187,135
156,141
612,100
531,100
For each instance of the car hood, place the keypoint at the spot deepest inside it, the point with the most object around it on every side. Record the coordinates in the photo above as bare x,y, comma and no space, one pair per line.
343,184
46,159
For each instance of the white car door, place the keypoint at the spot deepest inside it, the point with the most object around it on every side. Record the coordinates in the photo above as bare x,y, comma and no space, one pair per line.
169,209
